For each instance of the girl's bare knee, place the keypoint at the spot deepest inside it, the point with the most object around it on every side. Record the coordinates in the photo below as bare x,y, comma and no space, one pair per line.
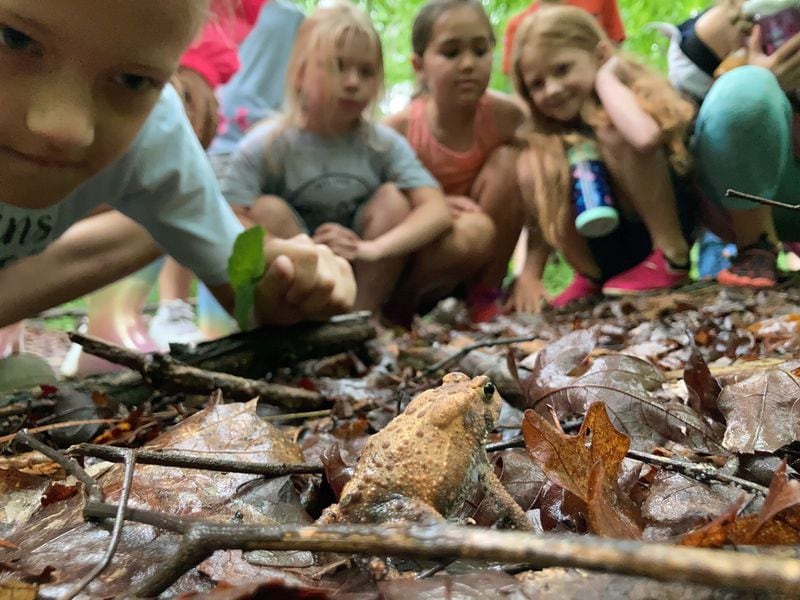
275,215
474,234
387,208
498,177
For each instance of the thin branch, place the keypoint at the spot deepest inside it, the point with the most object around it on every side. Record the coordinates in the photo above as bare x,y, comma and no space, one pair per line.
23,408
116,533
77,313
169,375
311,414
444,541
700,472
760,200
446,362
53,426
184,461
71,466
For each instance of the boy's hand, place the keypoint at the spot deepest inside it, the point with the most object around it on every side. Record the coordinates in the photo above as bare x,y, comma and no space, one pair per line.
200,103
784,62
303,281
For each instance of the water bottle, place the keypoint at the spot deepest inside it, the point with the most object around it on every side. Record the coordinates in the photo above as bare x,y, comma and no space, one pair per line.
595,215
779,20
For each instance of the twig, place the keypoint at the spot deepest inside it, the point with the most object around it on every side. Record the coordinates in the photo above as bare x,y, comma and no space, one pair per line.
446,362
77,313
443,541
91,487
23,408
700,472
53,426
116,533
183,461
433,570
311,414
753,198
161,371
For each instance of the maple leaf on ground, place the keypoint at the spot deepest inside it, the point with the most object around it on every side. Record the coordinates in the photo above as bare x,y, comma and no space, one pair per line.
571,462
762,412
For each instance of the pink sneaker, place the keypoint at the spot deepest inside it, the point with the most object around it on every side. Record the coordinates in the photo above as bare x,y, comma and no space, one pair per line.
653,273
580,288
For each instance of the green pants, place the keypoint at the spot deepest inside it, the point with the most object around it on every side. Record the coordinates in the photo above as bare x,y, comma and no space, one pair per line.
743,141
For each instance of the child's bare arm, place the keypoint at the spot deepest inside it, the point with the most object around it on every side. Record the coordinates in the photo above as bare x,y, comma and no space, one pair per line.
398,121
91,254
638,128
529,290
508,115
429,218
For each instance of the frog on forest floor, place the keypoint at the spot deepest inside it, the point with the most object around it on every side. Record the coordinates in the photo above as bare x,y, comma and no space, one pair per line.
429,460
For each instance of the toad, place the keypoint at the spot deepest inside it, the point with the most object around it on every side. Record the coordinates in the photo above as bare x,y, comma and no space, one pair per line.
429,460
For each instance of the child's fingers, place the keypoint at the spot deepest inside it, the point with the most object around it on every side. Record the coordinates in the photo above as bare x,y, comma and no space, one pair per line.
754,41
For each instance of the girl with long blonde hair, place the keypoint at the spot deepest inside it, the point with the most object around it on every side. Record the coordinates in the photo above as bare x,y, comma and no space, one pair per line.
326,169
577,87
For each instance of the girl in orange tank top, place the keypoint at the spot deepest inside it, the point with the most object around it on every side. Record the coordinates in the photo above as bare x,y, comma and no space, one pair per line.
455,170
464,136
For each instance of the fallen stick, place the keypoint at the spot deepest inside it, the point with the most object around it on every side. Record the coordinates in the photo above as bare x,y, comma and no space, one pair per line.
184,461
442,541
168,375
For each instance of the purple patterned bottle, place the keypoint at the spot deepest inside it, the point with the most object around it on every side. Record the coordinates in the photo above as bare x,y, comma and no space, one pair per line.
595,215
779,20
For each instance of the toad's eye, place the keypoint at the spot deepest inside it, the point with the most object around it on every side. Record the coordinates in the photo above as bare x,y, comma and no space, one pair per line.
488,389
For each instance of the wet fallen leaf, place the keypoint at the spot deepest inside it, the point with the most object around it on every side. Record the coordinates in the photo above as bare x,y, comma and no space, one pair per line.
229,431
587,464
762,412
677,504
57,492
703,387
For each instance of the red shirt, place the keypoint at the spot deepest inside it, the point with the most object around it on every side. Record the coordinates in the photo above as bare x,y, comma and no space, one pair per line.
214,53
605,11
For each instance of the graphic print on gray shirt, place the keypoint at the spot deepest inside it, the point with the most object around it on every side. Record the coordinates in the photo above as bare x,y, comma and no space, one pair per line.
324,179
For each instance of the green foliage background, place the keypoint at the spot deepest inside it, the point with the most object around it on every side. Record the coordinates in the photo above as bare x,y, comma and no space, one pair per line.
393,20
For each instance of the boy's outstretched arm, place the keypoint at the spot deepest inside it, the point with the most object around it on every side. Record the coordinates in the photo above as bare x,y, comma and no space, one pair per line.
303,281
91,254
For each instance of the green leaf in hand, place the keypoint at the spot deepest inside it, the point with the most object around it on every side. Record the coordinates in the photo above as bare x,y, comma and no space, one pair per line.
245,268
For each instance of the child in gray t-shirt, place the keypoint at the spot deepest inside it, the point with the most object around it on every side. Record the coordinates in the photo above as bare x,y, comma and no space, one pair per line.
324,169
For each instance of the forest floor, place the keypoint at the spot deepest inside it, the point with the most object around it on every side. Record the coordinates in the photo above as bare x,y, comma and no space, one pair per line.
697,446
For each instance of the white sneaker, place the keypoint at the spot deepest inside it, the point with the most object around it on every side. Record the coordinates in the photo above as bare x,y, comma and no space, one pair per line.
174,322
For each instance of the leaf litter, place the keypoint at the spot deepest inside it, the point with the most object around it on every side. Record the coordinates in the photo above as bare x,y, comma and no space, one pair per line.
702,376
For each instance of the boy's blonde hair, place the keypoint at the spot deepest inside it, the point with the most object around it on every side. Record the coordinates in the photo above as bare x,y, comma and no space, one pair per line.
557,26
333,22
